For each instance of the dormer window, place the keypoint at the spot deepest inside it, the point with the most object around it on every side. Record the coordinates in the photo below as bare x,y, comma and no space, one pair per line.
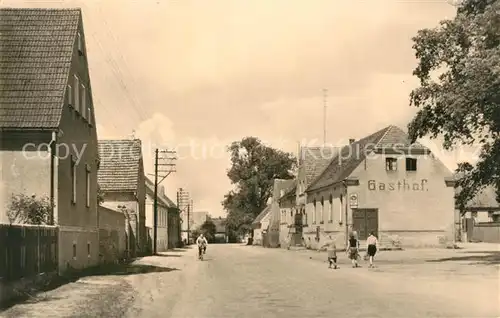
80,44
76,87
391,164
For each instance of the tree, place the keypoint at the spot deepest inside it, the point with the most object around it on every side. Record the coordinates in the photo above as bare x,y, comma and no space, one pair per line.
29,209
208,229
463,103
254,166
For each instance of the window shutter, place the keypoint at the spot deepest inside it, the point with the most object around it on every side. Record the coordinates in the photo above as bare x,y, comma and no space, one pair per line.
77,93
84,102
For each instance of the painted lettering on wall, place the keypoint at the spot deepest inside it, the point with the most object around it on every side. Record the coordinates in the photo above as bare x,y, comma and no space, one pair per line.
401,185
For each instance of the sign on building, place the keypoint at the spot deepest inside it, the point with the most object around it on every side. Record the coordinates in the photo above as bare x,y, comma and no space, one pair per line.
353,200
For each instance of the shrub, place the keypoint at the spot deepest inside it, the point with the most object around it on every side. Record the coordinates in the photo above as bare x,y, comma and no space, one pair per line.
29,209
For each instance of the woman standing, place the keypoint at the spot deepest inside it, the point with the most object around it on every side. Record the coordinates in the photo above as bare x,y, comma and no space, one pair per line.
353,248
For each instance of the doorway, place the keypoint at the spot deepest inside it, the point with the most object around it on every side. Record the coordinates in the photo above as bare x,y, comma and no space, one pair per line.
365,221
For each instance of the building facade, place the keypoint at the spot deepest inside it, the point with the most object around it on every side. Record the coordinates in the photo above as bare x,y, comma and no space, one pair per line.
49,139
122,181
164,203
383,184
278,235
260,227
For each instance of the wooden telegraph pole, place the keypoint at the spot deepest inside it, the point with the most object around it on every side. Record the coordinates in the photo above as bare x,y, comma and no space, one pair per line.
167,161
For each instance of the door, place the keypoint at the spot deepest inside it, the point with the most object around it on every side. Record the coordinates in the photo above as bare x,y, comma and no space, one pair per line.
365,221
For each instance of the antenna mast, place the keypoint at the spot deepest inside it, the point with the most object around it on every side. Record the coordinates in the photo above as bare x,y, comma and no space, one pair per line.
325,95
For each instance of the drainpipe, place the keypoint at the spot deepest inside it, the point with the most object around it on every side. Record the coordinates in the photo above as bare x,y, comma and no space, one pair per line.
53,175
346,213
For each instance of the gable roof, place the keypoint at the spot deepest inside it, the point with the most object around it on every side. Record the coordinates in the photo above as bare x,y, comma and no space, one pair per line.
350,156
291,190
120,165
35,58
262,215
315,160
162,198
220,225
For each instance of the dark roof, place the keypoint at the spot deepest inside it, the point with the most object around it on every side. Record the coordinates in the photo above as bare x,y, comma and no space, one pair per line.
162,198
262,215
36,49
120,164
315,160
341,167
291,190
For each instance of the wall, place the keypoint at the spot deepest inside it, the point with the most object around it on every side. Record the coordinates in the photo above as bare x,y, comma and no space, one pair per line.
112,236
22,173
418,218
78,137
162,230
174,229
141,198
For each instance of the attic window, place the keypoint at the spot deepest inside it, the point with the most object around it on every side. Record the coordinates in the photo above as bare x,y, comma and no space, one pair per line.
69,95
80,44
391,164
411,164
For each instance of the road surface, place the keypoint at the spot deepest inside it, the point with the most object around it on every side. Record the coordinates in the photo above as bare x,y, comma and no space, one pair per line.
243,281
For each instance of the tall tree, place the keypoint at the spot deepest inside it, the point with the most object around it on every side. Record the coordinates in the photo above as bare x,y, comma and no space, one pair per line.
254,166
463,103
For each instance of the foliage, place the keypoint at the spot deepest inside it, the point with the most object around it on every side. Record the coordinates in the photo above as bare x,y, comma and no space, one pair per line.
254,166
208,229
100,195
463,103
29,209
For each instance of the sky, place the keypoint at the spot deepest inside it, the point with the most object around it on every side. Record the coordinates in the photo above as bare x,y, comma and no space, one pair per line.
197,75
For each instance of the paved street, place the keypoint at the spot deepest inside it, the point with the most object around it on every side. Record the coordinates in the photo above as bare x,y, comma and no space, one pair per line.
241,281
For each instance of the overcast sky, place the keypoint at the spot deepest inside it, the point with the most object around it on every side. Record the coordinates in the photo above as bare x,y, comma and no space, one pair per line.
210,72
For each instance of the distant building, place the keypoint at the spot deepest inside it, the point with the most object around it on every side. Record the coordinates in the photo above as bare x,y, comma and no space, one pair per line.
221,235
121,178
199,217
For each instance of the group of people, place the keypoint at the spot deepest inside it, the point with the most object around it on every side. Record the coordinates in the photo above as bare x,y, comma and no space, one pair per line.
352,249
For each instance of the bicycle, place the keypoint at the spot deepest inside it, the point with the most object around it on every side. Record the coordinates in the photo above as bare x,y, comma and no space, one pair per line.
201,251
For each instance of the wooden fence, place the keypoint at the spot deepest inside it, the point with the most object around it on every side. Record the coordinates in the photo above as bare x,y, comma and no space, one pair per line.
27,250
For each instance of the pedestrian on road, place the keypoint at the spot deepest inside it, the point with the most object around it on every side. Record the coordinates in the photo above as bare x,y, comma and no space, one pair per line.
353,249
202,243
331,249
372,243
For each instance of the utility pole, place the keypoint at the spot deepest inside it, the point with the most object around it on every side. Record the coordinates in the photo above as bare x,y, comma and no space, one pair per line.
183,202
168,163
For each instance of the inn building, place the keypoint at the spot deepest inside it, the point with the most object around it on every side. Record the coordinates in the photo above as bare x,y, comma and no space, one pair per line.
381,183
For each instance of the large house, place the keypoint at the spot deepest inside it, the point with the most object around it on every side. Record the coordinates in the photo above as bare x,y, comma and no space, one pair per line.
121,179
383,184
48,138
163,206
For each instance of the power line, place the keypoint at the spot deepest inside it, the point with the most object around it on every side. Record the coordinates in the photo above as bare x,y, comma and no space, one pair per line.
164,166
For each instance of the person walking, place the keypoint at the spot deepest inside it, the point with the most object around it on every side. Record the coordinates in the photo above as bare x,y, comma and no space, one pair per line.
353,249
372,243
331,249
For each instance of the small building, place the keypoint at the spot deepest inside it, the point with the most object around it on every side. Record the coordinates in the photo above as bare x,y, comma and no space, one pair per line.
164,203
383,184
279,233
479,221
260,227
112,236
221,235
121,178
48,142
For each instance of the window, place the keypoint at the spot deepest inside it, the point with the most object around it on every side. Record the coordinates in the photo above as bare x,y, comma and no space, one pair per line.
89,119
314,212
76,87
330,214
321,211
80,44
84,103
69,95
73,180
411,164
74,250
88,249
87,185
391,164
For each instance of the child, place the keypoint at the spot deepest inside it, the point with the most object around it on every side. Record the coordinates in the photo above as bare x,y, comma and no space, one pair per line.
352,249
331,249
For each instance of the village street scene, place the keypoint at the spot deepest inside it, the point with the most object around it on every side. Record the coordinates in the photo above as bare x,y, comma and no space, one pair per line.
233,159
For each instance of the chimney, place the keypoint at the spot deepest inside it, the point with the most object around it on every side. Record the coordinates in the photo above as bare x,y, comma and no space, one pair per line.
351,141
